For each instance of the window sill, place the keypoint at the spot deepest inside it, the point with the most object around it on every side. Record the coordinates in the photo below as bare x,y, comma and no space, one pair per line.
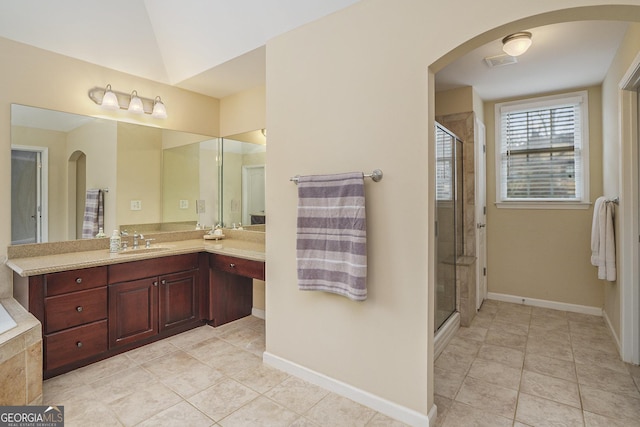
543,205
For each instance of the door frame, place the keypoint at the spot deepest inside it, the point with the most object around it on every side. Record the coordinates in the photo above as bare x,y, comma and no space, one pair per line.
245,190
629,227
480,145
42,225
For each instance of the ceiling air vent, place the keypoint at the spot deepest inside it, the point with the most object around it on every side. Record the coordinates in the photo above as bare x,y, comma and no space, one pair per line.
500,60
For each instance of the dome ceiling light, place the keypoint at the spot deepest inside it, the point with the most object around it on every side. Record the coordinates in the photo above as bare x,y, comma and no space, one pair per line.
516,44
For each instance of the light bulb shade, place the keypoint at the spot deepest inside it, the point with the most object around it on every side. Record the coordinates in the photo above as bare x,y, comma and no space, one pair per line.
135,105
109,100
516,44
159,110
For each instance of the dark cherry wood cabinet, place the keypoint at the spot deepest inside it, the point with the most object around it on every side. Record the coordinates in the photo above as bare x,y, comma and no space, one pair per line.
231,287
94,313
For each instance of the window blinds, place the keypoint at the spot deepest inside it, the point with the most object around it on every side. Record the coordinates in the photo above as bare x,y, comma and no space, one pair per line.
541,151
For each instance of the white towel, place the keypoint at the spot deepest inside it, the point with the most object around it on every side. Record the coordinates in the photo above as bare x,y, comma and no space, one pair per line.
331,238
603,243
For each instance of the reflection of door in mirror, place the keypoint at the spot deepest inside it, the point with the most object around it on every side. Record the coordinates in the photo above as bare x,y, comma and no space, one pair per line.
77,188
29,194
253,194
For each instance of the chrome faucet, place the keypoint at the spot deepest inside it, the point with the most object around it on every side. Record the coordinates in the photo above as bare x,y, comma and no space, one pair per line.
136,237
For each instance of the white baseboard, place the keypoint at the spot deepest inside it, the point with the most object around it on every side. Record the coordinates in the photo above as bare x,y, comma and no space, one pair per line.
377,403
575,308
611,330
258,313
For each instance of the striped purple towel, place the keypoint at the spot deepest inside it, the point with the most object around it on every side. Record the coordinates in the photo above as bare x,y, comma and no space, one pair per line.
332,235
93,214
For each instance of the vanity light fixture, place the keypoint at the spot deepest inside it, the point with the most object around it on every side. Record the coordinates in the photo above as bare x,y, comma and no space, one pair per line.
159,111
113,100
516,44
135,104
109,100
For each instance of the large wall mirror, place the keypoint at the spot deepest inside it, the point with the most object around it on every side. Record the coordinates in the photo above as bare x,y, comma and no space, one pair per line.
151,179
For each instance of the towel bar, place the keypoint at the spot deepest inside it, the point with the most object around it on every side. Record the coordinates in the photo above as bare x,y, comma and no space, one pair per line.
376,176
615,200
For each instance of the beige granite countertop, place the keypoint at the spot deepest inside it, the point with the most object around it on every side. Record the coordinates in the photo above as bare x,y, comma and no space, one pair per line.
36,265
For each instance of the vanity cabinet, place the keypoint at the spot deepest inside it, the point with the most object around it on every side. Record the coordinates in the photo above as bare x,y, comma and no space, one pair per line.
231,287
74,315
142,306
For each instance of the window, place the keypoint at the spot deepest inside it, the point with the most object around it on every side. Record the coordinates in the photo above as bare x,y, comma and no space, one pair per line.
542,152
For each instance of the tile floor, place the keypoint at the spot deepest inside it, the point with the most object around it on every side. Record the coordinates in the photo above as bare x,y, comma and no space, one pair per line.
203,377
526,366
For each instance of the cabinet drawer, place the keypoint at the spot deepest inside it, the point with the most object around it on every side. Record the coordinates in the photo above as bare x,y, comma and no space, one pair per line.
76,308
239,266
75,280
135,270
75,344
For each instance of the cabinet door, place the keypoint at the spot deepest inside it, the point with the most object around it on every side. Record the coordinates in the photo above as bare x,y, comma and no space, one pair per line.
230,297
133,311
178,300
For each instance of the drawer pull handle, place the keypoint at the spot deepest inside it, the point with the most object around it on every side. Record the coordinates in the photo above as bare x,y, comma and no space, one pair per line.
79,280
79,309
232,265
155,283
79,344
164,282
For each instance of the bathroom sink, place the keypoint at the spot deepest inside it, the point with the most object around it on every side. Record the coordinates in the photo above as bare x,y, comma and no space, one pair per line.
143,250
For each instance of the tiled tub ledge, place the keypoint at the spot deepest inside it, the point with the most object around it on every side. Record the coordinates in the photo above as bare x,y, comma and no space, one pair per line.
20,358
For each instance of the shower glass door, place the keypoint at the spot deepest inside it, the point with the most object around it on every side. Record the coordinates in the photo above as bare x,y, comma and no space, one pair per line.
448,220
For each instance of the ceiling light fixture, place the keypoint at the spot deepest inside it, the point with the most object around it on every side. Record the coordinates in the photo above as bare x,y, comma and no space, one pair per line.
516,44
113,100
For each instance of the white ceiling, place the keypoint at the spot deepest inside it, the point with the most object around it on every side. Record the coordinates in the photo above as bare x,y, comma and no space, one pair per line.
215,47
562,56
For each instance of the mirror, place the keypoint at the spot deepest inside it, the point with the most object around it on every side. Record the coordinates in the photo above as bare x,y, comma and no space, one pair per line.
243,179
152,179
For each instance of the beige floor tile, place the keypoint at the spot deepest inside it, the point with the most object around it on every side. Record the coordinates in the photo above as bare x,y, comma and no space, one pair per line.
507,356
447,383
547,314
144,403
151,351
233,361
506,339
304,422
488,397
558,390
207,349
172,364
90,414
463,415
513,317
297,394
553,367
550,348
465,346
381,420
536,411
618,406
585,318
559,334
634,370
57,390
192,381
455,361
223,398
512,328
193,336
443,404
261,379
122,384
338,411
182,414
595,420
260,411
472,333
606,379
482,321
495,373
515,308
104,368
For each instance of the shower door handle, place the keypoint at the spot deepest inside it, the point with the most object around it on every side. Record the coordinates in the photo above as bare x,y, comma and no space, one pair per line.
481,225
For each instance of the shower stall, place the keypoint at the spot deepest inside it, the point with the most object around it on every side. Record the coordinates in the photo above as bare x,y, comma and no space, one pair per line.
449,222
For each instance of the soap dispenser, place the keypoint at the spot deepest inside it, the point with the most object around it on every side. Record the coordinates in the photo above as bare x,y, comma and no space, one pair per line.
114,242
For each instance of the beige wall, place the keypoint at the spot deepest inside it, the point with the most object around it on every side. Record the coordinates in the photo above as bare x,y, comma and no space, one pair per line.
545,254
454,101
243,112
612,150
341,99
